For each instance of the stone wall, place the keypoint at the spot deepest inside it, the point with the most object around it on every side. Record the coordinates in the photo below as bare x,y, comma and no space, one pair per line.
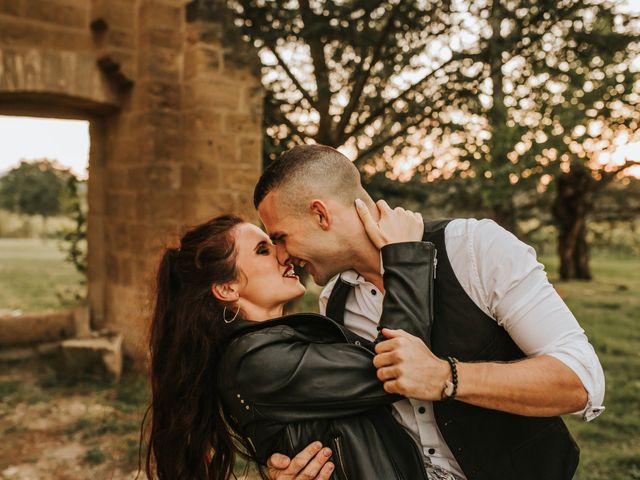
174,103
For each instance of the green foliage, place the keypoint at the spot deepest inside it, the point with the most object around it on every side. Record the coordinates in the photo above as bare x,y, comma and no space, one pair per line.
74,239
36,188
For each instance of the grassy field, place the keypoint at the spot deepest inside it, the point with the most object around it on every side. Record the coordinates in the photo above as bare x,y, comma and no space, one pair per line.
34,275
608,309
104,430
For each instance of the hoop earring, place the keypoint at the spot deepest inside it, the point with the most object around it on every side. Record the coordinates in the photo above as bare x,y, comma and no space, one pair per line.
224,315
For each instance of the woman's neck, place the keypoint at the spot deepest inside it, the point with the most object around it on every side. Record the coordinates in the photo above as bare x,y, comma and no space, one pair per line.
257,313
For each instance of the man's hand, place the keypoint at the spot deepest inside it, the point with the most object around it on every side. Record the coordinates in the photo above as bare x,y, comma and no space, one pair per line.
394,226
310,464
407,366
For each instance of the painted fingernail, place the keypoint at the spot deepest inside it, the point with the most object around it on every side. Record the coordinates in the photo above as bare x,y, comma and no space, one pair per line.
326,452
359,203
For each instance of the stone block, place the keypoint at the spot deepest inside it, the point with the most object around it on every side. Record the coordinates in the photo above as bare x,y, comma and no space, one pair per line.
58,12
35,328
201,121
200,60
18,34
96,358
70,40
10,7
113,14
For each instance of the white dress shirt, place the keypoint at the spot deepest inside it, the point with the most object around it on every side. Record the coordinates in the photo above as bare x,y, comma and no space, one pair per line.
502,277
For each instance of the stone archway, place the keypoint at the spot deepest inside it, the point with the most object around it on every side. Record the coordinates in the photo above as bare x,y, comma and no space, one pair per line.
175,128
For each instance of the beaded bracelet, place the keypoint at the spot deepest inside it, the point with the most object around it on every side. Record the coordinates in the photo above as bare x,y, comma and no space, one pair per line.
454,378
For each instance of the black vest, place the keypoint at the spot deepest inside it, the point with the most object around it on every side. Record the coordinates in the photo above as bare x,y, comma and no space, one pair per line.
488,444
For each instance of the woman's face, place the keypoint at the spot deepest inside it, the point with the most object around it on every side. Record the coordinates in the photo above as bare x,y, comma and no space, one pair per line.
264,283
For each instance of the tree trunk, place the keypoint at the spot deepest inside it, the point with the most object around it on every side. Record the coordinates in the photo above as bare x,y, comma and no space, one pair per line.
573,202
506,216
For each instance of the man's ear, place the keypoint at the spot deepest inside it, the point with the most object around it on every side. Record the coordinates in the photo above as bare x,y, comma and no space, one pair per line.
226,292
321,213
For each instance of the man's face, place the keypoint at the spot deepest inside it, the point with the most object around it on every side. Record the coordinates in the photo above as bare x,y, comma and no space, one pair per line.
299,239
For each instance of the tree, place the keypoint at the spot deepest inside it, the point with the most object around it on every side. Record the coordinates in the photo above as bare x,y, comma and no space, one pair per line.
38,187
590,101
362,75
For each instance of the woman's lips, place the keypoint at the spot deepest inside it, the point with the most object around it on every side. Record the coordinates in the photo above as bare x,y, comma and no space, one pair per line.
289,272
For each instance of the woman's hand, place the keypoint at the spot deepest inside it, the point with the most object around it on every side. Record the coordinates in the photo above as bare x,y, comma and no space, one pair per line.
395,226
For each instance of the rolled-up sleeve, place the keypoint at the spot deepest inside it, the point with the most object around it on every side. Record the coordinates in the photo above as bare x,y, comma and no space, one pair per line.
518,295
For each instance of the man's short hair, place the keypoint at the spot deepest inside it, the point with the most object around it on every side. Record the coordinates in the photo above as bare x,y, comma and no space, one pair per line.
308,169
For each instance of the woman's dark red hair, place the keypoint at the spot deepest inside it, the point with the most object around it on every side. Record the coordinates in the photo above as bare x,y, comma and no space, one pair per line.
189,438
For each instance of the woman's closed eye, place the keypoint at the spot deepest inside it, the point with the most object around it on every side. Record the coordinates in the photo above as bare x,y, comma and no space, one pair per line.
264,248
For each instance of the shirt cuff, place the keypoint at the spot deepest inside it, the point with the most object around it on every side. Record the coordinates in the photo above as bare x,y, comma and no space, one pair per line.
592,409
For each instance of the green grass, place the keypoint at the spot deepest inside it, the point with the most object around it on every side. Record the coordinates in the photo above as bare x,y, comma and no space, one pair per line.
34,276
607,308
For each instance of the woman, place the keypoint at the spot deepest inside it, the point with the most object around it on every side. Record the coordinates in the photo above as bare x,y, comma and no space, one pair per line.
231,375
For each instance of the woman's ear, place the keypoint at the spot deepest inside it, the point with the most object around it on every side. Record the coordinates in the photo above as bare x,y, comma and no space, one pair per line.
226,292
321,213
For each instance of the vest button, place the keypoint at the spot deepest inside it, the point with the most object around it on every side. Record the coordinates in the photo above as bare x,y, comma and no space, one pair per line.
373,292
357,342
422,410
432,451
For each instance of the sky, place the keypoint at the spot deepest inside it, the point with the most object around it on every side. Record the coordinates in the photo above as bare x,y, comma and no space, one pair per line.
66,141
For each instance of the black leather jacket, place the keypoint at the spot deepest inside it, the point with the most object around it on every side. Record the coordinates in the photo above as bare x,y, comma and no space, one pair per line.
287,382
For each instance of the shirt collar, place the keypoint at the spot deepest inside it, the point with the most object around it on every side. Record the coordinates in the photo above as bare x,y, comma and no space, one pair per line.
353,278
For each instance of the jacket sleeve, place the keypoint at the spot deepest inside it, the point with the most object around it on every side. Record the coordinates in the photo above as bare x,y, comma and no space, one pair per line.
286,379
409,270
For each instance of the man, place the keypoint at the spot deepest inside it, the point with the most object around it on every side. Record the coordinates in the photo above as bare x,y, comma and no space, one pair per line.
506,357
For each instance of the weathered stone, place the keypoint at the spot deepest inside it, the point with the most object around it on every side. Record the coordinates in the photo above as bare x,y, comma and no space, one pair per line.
10,7
92,358
58,12
175,134
33,328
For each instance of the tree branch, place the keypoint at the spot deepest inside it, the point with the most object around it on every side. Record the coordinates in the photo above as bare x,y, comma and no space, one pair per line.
607,177
362,75
383,108
321,71
293,78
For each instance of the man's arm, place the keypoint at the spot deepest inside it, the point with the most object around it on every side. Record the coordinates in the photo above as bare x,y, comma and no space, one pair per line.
539,386
562,374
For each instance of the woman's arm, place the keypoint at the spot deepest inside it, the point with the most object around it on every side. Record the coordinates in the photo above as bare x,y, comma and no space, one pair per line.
409,271
289,379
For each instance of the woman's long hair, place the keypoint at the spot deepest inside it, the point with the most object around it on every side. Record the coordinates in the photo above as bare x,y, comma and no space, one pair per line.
189,437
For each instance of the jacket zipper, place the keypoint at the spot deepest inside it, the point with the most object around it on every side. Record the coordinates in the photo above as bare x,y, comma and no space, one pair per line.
340,456
432,281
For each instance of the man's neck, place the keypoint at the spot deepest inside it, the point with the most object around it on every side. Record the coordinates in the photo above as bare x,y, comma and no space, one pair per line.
367,262
366,257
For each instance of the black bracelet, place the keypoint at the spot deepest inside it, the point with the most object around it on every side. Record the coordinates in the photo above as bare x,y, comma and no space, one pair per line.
454,378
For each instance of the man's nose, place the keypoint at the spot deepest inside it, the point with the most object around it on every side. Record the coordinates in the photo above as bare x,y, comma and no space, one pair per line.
282,255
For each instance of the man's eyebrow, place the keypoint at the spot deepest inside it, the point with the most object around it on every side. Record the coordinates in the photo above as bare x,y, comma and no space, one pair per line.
276,236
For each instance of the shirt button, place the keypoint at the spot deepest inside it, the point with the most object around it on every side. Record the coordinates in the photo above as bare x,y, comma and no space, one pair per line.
373,292
357,342
422,410
432,451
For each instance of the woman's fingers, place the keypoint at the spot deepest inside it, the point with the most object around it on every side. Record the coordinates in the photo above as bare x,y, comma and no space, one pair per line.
370,226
